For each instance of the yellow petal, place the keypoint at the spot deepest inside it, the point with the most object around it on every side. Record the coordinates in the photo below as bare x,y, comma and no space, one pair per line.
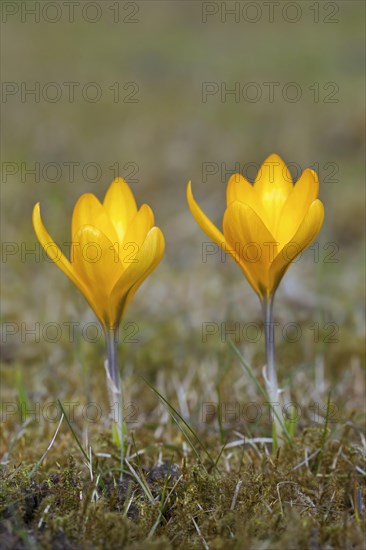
240,189
203,221
149,256
304,192
120,205
303,237
96,262
136,233
273,185
57,256
88,210
252,242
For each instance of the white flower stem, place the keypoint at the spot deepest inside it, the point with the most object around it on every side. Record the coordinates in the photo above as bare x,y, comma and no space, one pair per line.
271,373
114,386
111,337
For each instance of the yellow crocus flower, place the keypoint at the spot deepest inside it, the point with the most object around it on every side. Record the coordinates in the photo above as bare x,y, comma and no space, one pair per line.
265,227
268,224
115,246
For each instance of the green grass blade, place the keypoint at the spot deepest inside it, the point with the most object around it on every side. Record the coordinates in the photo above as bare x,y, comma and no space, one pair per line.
324,437
73,432
292,422
164,503
220,453
187,430
247,369
274,438
22,396
219,415
142,482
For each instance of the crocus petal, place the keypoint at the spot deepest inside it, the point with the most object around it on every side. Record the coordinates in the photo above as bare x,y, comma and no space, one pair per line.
88,210
148,257
120,205
136,233
252,243
58,257
273,185
240,189
304,236
304,192
203,221
96,262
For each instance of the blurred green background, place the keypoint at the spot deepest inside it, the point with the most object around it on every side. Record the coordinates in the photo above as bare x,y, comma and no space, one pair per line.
160,54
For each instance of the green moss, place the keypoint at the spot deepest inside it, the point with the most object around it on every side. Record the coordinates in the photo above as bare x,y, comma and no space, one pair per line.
276,506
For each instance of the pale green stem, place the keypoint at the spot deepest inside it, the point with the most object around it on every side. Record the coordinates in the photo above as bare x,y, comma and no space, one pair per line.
271,373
